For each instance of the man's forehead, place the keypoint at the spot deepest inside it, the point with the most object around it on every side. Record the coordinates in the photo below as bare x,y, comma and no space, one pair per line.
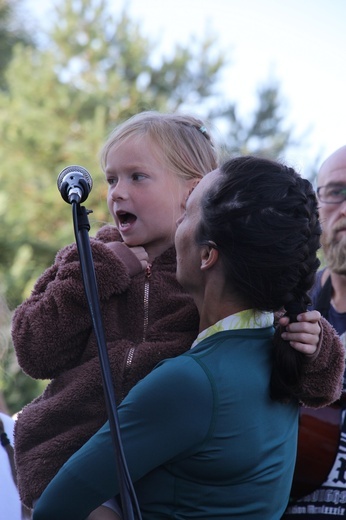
334,168
335,175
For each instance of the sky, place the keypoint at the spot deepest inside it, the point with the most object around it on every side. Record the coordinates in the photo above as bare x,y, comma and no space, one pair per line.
300,44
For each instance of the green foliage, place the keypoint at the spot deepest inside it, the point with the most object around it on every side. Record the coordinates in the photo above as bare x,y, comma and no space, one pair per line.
264,133
61,104
11,33
61,100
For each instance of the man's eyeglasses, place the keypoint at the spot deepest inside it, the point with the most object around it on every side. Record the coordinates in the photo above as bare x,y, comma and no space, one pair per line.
331,194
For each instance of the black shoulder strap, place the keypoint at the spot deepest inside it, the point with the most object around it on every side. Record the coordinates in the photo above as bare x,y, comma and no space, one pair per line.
324,297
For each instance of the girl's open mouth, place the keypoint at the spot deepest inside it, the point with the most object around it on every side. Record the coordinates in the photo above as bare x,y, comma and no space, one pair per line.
125,219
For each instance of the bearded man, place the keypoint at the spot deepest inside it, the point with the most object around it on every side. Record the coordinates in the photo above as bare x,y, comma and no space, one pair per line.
330,289
329,297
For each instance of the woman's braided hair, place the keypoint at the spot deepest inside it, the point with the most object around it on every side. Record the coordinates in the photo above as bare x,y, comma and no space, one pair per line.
263,218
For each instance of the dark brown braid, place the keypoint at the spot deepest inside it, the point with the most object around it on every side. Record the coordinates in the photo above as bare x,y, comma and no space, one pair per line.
289,362
263,217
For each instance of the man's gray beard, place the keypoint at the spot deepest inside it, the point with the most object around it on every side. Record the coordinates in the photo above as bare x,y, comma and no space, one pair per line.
335,254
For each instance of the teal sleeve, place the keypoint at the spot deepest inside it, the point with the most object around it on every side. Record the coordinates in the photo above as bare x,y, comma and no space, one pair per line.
167,414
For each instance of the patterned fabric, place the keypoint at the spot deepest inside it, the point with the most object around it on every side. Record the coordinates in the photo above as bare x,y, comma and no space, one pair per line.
248,319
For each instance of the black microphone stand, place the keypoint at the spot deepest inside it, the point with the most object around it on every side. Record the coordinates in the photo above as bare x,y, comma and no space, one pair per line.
81,224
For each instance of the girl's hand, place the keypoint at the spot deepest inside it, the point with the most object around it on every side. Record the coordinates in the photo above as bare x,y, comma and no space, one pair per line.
141,254
304,334
138,251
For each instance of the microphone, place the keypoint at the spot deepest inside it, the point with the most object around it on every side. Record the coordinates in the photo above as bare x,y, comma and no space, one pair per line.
75,184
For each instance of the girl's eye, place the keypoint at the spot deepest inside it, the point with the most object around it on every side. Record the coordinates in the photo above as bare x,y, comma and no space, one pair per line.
138,176
112,181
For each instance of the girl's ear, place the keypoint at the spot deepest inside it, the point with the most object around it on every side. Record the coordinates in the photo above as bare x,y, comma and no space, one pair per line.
209,257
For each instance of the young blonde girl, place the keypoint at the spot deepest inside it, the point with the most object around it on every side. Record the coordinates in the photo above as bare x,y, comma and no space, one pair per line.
151,163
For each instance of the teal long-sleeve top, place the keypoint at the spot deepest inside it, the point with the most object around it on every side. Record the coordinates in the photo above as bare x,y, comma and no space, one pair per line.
201,436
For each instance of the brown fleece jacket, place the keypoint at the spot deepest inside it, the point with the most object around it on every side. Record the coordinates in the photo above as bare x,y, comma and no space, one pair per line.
53,338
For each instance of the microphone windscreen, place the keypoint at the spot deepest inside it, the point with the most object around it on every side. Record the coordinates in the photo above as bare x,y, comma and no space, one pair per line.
70,170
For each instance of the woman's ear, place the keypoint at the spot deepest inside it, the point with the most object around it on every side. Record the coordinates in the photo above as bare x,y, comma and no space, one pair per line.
187,189
191,185
209,257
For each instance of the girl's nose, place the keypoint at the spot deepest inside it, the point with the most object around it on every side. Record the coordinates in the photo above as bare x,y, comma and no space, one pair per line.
118,191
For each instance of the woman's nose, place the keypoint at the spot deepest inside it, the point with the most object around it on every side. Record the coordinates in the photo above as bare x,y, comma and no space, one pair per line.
178,221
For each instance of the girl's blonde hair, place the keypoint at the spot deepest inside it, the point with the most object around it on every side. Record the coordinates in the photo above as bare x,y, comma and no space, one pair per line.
181,142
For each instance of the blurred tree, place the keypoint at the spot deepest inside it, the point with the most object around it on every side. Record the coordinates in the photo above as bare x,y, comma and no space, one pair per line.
63,98
12,31
62,101
89,72
264,134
